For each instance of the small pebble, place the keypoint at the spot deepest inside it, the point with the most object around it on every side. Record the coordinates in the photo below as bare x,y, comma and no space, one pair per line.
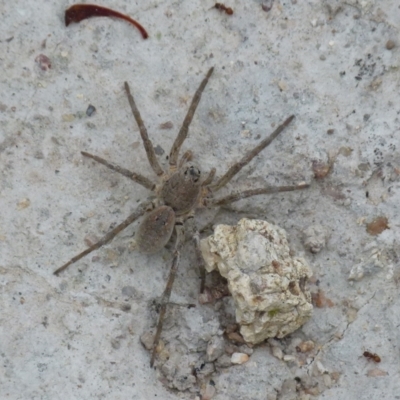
166,125
347,151
277,352
335,376
215,348
90,110
304,347
246,350
282,86
267,5
356,273
321,169
232,328
159,150
128,291
327,380
223,362
90,239
236,337
164,355
390,44
230,349
319,368
24,203
319,300
289,358
206,297
239,358
43,62
147,340
208,393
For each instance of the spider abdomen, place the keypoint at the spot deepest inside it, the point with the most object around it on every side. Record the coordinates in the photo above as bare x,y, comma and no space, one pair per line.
182,190
155,230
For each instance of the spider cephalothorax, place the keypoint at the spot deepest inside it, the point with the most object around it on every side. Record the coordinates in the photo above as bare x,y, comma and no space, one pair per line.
178,193
182,190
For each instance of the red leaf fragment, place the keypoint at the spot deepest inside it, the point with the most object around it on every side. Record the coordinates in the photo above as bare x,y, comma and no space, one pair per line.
79,12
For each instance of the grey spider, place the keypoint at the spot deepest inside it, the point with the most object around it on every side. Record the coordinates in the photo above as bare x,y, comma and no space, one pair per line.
178,193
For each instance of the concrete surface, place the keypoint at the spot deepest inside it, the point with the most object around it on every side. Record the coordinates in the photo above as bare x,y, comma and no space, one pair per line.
329,62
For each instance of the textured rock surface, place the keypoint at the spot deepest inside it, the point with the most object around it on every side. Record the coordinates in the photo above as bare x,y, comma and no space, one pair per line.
266,282
315,238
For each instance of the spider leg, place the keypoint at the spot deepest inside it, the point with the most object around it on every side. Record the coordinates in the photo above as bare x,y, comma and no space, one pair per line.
200,259
140,179
254,192
249,156
148,145
209,178
187,156
173,156
168,289
194,233
108,236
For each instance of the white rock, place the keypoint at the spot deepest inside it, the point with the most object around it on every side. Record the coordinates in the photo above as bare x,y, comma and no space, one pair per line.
239,358
147,340
266,282
277,352
319,369
289,358
356,272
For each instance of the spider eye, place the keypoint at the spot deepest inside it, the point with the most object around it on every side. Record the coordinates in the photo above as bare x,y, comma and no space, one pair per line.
194,171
